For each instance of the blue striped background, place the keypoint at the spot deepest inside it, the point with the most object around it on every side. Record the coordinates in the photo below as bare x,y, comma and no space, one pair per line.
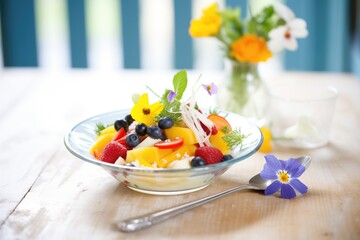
329,46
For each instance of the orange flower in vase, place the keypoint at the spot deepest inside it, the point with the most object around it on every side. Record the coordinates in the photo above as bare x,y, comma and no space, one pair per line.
250,48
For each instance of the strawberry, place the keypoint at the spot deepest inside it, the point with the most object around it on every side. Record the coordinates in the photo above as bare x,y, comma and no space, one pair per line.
113,151
211,155
121,133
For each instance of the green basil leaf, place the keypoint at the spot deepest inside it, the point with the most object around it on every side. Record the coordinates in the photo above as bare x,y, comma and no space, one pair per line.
180,83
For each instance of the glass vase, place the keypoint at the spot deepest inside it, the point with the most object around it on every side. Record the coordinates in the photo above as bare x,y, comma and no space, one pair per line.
243,91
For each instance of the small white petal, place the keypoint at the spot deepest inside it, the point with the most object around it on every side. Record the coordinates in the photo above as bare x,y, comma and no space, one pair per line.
278,32
298,28
291,44
284,12
297,23
276,45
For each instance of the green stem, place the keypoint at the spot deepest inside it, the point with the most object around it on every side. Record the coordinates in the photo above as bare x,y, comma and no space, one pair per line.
243,77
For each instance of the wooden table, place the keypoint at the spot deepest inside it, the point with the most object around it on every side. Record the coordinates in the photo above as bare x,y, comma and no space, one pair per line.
46,193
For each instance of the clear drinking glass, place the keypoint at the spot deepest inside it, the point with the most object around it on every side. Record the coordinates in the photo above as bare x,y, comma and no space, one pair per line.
301,116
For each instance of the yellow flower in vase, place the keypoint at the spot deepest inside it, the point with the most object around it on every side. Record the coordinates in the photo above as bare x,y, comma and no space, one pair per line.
143,112
250,48
208,24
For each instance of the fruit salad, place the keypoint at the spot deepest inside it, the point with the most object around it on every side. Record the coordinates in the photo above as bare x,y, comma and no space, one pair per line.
170,133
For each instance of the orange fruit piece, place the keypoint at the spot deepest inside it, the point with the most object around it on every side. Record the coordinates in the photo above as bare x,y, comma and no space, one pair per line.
100,144
266,146
220,122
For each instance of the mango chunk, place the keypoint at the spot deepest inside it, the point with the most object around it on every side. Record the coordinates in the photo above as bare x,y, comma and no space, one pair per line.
109,129
145,163
181,132
219,143
146,154
163,152
176,155
100,144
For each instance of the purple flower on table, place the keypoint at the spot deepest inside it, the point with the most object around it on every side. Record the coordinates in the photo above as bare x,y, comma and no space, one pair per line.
171,96
284,175
210,88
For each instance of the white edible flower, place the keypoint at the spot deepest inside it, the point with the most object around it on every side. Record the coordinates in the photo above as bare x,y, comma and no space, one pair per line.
285,36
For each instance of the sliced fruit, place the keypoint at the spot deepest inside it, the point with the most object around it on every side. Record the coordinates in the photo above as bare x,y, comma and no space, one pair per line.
122,140
120,161
145,163
211,155
186,150
220,122
109,129
100,144
112,152
170,143
218,142
163,152
148,154
182,164
147,142
266,146
121,133
186,134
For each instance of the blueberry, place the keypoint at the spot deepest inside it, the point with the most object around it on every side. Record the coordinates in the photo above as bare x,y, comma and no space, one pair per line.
163,137
227,157
132,140
165,123
198,162
118,124
140,129
129,119
155,132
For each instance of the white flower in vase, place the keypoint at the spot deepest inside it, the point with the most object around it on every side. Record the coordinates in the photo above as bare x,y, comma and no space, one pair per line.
284,37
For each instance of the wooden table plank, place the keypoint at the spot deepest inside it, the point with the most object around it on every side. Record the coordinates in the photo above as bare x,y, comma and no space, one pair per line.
21,157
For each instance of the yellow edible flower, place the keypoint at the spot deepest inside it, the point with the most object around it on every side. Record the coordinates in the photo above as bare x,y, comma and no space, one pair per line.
250,48
208,24
143,112
266,146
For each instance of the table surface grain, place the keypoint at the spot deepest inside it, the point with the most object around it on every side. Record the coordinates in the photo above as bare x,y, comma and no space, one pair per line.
47,193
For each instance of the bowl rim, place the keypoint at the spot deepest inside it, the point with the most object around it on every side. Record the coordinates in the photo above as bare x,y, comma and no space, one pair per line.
117,167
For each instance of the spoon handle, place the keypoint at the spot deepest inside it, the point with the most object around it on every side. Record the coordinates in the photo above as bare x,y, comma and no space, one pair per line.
144,221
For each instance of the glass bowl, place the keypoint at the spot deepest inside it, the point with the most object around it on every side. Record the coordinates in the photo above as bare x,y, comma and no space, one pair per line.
161,181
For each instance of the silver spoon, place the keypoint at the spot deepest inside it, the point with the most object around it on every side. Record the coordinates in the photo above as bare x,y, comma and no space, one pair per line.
137,223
